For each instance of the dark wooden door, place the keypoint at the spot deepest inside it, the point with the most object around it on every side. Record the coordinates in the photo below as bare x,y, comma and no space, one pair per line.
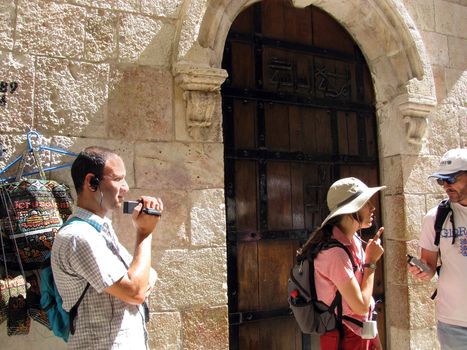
298,111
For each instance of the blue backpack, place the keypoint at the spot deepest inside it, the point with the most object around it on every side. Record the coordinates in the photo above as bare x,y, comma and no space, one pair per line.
61,322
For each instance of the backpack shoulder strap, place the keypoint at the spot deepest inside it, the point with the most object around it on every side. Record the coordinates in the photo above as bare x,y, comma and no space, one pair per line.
74,310
312,253
335,243
444,208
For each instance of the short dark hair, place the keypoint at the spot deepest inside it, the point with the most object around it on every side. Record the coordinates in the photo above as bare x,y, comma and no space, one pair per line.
90,160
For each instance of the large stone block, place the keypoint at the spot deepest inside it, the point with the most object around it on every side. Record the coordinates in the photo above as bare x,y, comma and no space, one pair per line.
397,306
12,146
50,28
450,18
423,339
101,35
391,174
165,331
398,338
70,97
416,170
207,218
7,24
118,5
145,40
76,144
457,53
437,47
126,5
439,75
140,104
415,209
422,308
162,8
456,84
16,92
394,218
192,18
180,166
422,12
444,126
190,278
171,231
206,329
395,261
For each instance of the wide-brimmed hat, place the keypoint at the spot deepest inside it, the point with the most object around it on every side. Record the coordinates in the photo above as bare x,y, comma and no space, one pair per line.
347,196
452,162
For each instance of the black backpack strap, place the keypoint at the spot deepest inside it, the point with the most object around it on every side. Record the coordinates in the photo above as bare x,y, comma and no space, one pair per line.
74,310
313,253
340,325
444,208
353,320
335,243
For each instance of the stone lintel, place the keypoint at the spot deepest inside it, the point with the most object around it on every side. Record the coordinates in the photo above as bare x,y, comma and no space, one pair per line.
192,77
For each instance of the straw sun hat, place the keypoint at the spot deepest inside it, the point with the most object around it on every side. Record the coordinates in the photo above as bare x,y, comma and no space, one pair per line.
347,196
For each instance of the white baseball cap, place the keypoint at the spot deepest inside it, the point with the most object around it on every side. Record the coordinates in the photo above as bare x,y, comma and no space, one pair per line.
452,162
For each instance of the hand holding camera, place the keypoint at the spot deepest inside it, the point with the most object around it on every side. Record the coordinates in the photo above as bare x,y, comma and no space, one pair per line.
129,206
146,213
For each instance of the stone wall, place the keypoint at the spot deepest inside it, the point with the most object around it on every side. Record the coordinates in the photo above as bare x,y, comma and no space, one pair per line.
99,72
143,77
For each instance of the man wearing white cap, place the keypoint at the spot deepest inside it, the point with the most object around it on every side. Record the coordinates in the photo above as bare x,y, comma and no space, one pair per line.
451,250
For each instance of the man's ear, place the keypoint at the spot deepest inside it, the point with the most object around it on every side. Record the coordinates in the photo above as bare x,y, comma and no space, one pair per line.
92,181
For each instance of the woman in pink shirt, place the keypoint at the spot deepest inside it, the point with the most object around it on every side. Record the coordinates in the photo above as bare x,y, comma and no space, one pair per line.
351,209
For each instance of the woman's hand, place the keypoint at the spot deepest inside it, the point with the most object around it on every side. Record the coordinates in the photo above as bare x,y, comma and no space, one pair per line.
374,249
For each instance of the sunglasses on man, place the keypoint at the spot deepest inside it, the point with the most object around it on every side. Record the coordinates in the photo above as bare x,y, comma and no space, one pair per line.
450,180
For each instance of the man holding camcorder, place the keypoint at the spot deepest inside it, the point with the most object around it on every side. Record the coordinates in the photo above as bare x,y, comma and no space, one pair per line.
86,251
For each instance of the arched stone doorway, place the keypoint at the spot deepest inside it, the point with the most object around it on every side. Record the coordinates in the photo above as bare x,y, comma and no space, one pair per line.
298,114
404,91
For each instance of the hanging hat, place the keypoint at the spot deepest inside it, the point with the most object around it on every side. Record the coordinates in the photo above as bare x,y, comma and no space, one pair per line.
452,162
347,196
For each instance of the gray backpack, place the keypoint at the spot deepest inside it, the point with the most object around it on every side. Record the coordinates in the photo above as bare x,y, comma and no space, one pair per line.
312,315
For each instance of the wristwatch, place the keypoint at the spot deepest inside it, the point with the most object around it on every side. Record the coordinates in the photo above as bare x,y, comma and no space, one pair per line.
370,266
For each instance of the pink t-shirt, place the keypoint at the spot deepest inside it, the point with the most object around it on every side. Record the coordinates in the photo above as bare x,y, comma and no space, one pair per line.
333,268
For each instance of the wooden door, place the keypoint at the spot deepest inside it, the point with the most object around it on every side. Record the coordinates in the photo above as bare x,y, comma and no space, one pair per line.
298,111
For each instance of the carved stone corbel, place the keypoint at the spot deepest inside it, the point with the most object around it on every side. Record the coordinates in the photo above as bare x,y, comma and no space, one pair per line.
414,115
201,94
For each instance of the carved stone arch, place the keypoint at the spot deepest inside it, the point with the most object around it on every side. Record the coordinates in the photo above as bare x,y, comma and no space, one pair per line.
385,32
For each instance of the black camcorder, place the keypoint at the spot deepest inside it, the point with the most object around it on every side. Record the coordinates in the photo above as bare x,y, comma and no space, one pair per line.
129,206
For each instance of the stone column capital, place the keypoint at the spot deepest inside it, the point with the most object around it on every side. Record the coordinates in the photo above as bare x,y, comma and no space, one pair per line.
414,112
200,88
191,77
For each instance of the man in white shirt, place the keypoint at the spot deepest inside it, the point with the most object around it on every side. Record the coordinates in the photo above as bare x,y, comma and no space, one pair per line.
451,251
